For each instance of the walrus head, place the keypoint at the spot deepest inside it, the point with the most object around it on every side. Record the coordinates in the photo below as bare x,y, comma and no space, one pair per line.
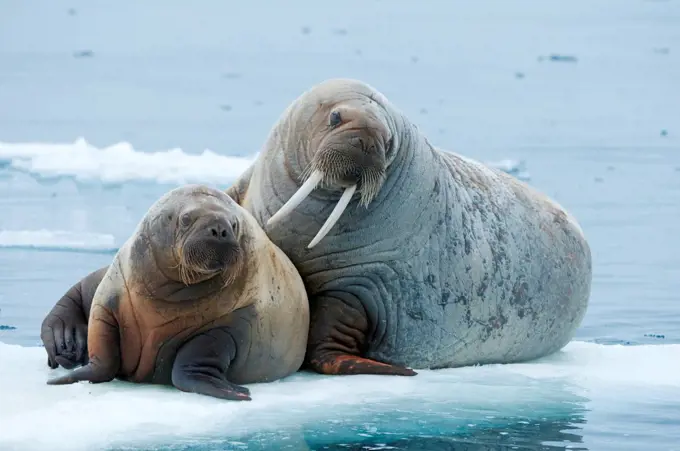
195,237
347,137
207,242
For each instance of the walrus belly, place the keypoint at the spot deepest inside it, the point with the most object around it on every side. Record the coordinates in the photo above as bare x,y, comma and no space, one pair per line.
149,357
149,341
491,291
435,331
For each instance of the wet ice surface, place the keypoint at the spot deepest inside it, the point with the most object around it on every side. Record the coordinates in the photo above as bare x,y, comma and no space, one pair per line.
580,97
550,400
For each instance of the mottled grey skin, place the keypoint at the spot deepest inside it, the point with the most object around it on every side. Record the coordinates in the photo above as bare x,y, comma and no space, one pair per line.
453,263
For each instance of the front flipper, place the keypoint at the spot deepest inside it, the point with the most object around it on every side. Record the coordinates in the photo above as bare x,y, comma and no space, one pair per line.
104,351
201,366
239,188
336,336
64,329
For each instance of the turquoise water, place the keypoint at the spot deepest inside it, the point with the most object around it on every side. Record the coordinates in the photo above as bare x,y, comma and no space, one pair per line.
596,126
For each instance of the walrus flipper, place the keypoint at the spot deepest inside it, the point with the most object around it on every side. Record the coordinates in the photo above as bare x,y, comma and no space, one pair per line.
104,351
238,190
337,363
336,336
64,329
201,366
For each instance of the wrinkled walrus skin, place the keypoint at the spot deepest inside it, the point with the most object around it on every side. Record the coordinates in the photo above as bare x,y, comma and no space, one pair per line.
450,263
438,261
199,298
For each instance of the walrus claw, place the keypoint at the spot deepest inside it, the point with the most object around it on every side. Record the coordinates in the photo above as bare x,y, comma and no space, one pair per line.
64,330
69,362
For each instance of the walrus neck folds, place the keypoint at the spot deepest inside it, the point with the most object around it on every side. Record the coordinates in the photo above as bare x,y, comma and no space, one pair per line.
324,162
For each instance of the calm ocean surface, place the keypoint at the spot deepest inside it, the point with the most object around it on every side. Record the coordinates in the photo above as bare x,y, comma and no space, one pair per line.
104,106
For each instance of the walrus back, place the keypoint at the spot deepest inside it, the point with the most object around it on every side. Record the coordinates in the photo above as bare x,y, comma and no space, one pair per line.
508,272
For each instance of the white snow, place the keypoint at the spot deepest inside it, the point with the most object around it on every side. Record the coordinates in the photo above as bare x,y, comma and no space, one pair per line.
45,239
120,163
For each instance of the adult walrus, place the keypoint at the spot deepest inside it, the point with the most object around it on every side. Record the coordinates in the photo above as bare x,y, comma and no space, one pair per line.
440,261
427,259
198,297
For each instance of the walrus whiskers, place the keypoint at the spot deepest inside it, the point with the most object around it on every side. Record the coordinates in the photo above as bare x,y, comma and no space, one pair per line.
181,267
233,269
371,181
189,266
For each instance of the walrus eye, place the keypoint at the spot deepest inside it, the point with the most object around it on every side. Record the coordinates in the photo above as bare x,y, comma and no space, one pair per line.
186,220
335,119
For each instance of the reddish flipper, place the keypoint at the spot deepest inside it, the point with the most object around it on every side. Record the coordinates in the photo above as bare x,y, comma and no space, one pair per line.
337,337
336,363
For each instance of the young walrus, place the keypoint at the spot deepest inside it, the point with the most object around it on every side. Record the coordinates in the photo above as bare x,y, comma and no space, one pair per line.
198,297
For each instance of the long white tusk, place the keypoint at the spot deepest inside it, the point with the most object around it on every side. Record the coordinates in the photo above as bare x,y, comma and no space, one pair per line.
334,216
298,197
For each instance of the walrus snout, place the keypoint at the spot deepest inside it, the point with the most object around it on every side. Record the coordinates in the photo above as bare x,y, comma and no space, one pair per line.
352,156
220,230
212,245
219,235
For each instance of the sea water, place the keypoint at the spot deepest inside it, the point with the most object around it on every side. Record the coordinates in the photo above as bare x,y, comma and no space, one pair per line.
106,106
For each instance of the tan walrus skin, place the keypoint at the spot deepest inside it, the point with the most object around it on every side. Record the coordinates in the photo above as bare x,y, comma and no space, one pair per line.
199,298
412,256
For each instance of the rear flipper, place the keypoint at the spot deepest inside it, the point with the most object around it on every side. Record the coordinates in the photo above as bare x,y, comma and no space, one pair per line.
338,363
104,351
337,335
201,366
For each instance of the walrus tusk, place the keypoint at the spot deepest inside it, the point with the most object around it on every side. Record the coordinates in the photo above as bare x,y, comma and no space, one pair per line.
334,216
298,197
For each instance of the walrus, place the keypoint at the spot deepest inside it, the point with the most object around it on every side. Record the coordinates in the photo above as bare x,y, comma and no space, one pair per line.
412,256
199,298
